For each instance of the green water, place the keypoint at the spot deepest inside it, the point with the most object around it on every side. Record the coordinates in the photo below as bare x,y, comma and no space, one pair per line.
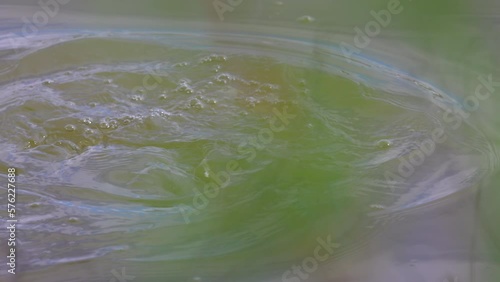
195,160
180,155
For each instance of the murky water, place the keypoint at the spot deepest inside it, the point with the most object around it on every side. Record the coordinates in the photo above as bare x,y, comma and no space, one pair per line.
177,155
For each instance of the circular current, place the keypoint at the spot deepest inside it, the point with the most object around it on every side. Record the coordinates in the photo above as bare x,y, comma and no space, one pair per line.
208,156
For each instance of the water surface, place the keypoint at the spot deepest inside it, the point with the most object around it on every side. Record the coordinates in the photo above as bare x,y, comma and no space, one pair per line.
192,156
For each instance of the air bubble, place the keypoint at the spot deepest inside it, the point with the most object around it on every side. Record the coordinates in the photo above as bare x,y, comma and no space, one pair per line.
224,78
87,120
214,58
195,104
127,120
184,87
137,98
113,124
384,144
181,64
70,127
104,125
251,101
